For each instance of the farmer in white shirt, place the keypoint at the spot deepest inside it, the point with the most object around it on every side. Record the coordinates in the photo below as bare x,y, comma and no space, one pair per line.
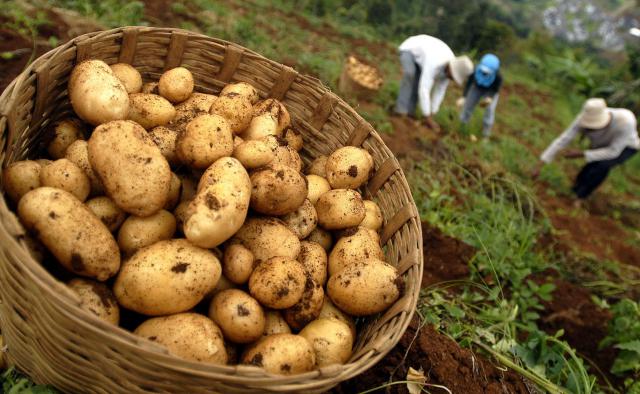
427,66
613,135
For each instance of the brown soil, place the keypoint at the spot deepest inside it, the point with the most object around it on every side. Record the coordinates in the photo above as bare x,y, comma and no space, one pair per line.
445,258
22,48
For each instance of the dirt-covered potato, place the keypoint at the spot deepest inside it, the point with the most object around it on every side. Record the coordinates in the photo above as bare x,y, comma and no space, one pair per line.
314,259
365,287
150,87
167,277
235,108
243,89
339,209
356,244
66,175
317,186
267,238
189,186
329,311
349,168
97,95
330,339
223,284
238,263
133,171
73,234
66,132
97,298
150,110
277,190
278,283
197,103
78,153
21,177
321,237
174,192
237,141
318,167
308,308
254,153
129,76
205,139
287,156
275,324
373,216
293,138
239,315
107,211
276,109
282,354
43,162
189,336
165,138
136,232
176,85
180,213
303,220
221,204
261,126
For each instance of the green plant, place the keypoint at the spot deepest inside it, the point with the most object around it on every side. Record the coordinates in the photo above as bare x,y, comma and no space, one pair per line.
13,382
624,334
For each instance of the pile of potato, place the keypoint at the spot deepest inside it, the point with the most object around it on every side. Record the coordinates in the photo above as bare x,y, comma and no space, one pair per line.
191,209
363,74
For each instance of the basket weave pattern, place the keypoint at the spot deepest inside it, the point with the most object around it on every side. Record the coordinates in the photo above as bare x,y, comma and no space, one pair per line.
55,341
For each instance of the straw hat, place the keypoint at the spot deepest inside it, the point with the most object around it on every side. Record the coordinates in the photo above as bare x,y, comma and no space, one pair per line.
595,114
461,67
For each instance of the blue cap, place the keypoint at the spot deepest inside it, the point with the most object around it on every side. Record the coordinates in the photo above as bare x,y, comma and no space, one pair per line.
487,70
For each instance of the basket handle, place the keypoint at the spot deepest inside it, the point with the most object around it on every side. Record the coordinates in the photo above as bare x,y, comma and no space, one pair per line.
129,45
176,50
232,56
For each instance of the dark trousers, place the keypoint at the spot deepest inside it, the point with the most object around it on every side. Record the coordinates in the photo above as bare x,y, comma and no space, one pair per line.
408,94
594,173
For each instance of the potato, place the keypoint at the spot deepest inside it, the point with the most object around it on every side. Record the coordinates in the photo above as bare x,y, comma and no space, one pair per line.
132,169
180,213
303,220
97,298
314,259
339,209
165,138
318,167
237,141
73,234
321,237
330,311
66,132
365,287
282,354
330,339
276,109
277,190
349,168
317,186
221,205
308,308
254,153
238,263
150,87
21,177
267,238
189,187
97,95
239,315
107,211
167,277
278,283
373,216
243,89
275,324
64,174
129,76
205,139
78,153
235,108
187,335
176,85
44,162
287,156
136,232
356,244
293,138
175,189
261,126
197,102
150,110
223,284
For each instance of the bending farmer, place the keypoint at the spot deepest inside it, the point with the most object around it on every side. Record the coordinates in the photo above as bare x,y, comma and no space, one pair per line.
614,139
482,87
427,66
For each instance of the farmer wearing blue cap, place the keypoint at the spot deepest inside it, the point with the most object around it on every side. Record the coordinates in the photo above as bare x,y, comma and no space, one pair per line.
482,87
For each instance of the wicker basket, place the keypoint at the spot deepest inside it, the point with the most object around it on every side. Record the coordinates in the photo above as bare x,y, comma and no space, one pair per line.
54,341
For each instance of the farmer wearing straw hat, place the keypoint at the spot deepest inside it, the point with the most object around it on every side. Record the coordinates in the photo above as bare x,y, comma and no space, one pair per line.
427,66
613,135
482,87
